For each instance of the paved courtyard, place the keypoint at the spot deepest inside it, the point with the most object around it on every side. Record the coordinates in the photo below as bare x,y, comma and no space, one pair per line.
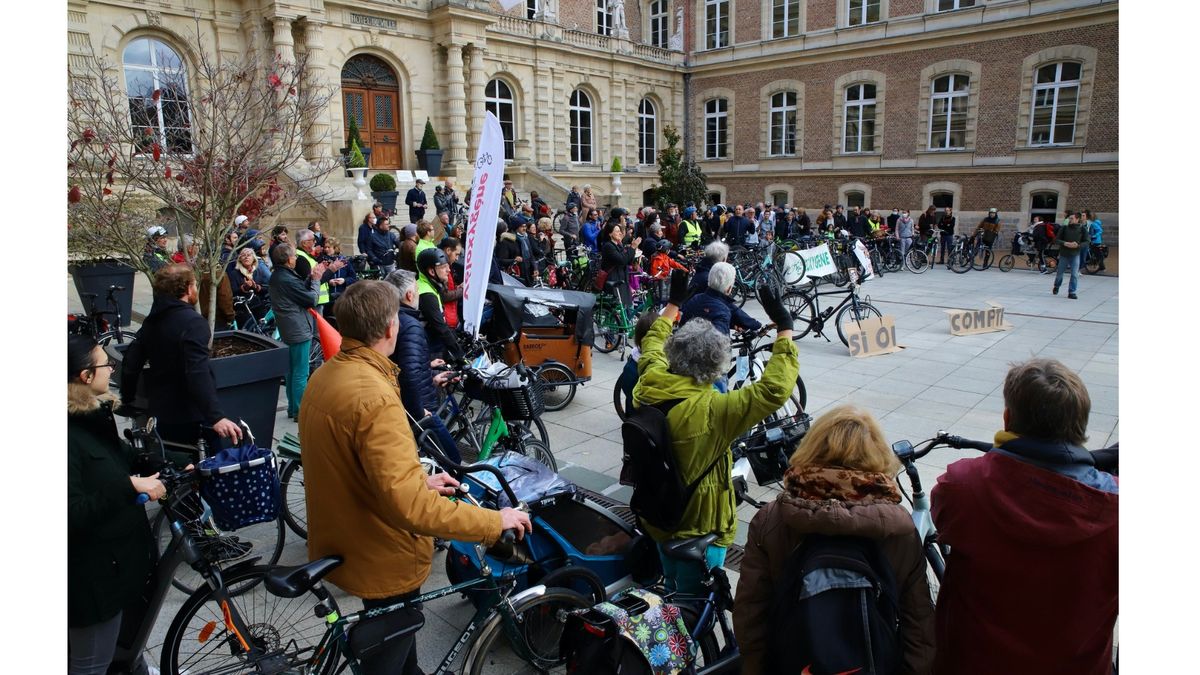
938,381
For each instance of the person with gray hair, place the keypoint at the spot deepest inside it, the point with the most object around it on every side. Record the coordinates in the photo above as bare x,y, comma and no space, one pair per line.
307,253
418,384
714,253
715,305
291,297
679,370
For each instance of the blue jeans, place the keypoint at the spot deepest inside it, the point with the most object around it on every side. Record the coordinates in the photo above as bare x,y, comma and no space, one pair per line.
442,436
297,375
1065,261
686,576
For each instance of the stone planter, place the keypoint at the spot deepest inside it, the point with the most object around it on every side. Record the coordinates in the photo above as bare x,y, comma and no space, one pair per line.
430,161
346,158
388,199
360,181
95,276
247,384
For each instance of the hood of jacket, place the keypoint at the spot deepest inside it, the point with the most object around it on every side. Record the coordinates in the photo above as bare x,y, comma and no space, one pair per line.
508,236
164,305
82,400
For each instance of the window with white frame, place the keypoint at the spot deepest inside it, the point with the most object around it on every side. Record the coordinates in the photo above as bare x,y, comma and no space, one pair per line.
604,18
498,100
531,9
785,18
716,24
948,5
783,124
948,112
716,130
153,66
862,12
660,24
1055,102
581,127
856,198
859,119
647,132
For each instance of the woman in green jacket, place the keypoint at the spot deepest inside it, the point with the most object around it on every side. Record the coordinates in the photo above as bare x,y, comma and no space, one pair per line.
705,423
110,552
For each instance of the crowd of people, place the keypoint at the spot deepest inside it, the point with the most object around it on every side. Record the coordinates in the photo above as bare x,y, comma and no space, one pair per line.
1035,502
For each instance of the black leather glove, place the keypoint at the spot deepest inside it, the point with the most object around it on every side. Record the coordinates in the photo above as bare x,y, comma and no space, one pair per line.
679,287
773,304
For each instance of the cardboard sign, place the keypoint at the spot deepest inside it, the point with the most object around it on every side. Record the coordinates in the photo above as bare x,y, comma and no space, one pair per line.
974,322
864,259
817,261
873,336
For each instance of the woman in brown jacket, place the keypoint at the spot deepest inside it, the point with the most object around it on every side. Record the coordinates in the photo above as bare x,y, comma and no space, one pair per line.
840,482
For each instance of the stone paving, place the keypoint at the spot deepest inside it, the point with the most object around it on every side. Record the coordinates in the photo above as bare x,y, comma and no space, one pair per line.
938,381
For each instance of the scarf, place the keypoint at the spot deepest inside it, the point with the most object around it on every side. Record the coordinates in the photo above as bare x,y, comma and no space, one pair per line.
827,483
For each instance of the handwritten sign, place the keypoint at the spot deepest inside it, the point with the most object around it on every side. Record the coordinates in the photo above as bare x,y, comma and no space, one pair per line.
974,322
817,261
872,337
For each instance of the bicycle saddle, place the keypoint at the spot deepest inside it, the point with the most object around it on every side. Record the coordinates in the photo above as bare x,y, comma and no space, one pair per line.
292,582
692,549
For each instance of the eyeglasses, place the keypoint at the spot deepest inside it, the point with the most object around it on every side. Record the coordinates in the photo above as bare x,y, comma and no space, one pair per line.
110,364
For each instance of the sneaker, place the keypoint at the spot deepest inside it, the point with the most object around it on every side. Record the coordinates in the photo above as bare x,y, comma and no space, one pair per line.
1045,271
1054,290
1072,296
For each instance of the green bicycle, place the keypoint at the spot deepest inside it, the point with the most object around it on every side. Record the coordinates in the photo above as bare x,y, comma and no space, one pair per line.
612,325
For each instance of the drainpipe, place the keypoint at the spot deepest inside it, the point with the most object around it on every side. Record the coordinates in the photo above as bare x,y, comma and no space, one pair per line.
687,114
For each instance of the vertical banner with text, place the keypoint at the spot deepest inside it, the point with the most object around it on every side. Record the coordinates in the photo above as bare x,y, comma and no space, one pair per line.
481,221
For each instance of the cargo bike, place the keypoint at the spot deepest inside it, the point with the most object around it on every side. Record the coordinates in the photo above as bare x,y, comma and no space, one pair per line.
551,332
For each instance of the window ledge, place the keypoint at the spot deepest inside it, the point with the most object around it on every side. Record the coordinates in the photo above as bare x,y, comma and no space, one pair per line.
946,151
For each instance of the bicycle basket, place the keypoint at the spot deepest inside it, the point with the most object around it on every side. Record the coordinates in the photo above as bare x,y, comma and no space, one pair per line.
241,486
769,448
519,399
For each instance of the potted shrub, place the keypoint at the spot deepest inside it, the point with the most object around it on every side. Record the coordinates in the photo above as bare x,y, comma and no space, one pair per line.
429,157
383,188
353,136
358,167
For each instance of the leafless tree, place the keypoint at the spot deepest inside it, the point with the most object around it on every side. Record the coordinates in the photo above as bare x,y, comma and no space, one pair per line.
221,138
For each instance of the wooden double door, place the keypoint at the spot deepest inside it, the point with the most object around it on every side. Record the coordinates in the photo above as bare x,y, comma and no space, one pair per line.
378,115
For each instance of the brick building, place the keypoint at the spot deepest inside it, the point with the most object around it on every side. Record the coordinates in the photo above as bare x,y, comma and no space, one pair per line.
974,104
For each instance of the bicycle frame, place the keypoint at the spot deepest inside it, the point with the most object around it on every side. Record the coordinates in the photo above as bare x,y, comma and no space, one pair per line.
823,315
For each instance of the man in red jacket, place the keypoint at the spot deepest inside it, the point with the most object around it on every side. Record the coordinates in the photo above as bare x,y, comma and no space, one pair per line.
1031,578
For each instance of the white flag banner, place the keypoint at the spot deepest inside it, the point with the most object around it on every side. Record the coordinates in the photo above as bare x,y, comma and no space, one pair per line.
507,5
481,221
817,261
864,258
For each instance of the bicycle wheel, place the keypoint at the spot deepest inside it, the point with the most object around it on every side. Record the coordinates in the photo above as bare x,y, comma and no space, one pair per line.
538,630
535,449
128,336
558,385
804,314
1006,262
877,262
264,540
917,261
892,261
604,334
850,315
982,259
527,432
1051,263
315,355
1093,264
200,641
295,508
621,403
959,263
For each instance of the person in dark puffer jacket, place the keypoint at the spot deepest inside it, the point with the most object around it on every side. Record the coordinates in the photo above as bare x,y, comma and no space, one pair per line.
713,253
418,391
715,304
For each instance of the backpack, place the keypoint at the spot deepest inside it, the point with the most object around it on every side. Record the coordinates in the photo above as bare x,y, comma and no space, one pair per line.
648,465
634,634
837,610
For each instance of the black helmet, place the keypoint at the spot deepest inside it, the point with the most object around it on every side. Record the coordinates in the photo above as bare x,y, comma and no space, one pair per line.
664,245
619,211
431,257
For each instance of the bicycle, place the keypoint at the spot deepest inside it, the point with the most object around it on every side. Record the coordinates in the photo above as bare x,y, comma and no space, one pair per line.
755,267
981,253
805,308
93,323
1029,252
922,254
217,546
244,307
613,324
211,635
959,257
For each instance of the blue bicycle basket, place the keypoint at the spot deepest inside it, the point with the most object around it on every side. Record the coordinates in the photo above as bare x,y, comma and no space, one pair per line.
241,486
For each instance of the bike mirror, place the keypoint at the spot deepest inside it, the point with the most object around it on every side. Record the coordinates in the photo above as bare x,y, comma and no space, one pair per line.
903,449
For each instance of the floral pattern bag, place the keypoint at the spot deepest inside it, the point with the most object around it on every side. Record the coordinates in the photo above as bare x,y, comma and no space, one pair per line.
654,627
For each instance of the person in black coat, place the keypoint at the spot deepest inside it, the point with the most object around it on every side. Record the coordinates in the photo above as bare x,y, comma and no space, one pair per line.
946,225
418,385
715,304
416,201
180,388
839,218
615,259
110,550
713,253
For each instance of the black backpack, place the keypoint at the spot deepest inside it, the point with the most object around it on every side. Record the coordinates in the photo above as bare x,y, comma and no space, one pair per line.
648,465
837,610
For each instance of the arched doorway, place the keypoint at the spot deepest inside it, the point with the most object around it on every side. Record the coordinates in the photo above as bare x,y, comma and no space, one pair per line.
371,93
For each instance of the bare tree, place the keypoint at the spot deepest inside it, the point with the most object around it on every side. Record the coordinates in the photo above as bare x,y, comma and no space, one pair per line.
203,146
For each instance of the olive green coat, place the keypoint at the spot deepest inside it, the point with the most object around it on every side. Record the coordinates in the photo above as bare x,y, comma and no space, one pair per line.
705,424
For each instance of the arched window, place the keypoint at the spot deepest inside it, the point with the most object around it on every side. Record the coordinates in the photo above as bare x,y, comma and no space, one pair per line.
943,200
859,111
581,127
647,132
659,23
1055,100
783,124
948,118
716,130
1045,205
498,100
152,66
